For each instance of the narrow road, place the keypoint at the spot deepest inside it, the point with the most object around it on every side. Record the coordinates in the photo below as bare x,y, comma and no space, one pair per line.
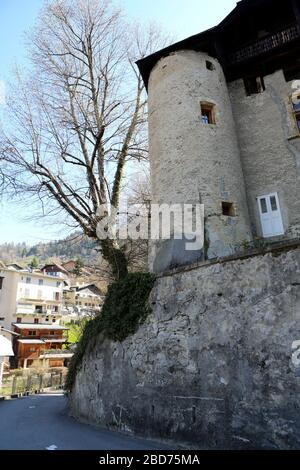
42,422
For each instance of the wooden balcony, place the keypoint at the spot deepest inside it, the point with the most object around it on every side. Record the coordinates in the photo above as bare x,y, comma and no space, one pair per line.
49,338
264,45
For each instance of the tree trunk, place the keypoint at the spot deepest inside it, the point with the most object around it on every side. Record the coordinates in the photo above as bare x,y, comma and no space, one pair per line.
115,257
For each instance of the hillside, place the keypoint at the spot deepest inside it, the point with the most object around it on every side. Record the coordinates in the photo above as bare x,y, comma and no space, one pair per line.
72,247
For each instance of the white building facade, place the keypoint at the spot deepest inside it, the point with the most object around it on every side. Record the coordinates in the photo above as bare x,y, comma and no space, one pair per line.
29,297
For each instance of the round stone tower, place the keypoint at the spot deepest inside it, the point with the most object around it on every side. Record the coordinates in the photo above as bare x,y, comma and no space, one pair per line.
194,154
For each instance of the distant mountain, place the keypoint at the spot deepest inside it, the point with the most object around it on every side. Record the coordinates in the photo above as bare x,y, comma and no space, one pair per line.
72,247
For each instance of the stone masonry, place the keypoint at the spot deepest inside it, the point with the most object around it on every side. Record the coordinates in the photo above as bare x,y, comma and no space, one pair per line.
270,147
212,365
251,150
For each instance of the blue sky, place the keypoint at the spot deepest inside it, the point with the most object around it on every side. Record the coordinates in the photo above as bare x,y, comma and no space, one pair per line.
181,17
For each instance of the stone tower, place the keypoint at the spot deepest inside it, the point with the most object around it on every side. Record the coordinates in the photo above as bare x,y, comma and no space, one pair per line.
224,126
194,153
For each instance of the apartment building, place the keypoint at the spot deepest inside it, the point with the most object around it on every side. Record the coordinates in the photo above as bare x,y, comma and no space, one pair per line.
39,344
31,305
29,296
81,301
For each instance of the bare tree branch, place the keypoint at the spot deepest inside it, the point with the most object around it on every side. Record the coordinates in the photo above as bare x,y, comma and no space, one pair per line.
79,115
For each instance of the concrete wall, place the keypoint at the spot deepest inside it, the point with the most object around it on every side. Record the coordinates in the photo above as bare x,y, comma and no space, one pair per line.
192,162
270,147
211,365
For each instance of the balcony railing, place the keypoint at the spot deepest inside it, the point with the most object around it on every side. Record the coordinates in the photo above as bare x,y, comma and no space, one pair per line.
55,352
265,44
52,337
42,337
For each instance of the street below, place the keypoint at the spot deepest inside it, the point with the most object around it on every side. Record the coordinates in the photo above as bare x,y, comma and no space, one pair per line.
42,422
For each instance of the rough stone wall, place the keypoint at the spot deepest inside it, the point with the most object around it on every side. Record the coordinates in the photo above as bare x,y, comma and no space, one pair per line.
270,147
192,162
211,365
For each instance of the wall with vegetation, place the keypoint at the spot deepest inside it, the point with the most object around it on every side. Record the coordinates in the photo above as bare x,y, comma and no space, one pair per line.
211,365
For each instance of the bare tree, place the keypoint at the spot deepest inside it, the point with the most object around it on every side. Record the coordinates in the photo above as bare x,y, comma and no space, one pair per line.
138,195
79,115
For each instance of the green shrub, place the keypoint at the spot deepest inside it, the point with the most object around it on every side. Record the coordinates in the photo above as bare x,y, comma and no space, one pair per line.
125,308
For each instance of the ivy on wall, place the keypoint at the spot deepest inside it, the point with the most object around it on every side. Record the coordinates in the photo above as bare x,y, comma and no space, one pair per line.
125,308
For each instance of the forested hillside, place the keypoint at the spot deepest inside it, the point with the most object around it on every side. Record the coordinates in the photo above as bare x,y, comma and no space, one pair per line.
74,246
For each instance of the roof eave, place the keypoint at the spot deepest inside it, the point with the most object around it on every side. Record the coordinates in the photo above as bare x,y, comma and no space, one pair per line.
200,41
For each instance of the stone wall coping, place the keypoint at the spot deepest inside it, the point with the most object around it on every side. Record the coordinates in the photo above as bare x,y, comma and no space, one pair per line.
276,247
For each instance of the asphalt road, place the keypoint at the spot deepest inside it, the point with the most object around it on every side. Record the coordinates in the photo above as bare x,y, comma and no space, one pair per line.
42,422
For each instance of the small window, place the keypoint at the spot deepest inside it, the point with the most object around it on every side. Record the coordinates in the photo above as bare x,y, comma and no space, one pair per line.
228,209
254,85
36,320
28,280
47,318
296,109
273,202
1,282
31,333
58,283
208,113
19,320
209,65
31,349
41,282
53,320
52,332
263,205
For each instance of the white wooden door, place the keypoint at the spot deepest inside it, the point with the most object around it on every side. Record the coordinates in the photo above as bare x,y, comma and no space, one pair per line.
270,215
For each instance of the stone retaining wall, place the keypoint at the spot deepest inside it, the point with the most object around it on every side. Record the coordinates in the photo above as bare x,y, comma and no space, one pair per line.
212,365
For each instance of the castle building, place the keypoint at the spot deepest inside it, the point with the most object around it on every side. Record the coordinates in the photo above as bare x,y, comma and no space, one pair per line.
224,129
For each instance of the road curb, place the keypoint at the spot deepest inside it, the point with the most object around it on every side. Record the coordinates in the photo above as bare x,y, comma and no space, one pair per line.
26,394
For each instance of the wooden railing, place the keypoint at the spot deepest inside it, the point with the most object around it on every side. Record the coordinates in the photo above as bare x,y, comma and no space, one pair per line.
50,337
264,45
